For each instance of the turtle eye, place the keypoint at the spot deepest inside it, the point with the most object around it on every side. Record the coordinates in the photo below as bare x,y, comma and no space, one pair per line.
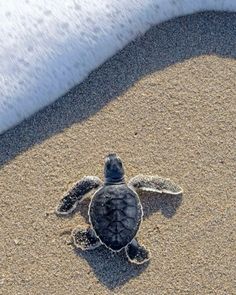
109,165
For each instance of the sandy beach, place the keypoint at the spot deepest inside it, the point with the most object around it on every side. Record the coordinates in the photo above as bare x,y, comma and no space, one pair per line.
166,105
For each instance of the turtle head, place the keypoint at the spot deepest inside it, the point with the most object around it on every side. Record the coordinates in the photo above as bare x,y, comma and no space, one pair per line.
113,169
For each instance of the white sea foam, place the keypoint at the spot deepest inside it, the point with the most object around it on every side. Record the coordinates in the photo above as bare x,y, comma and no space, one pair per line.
47,47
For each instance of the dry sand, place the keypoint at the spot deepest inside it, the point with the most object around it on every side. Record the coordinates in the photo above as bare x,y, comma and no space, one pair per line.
166,104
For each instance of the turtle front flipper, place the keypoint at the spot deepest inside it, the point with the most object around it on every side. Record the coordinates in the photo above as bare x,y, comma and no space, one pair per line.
69,202
155,184
136,253
85,239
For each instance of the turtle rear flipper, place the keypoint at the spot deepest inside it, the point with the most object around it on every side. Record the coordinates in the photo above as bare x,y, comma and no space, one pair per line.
155,184
85,239
136,253
69,202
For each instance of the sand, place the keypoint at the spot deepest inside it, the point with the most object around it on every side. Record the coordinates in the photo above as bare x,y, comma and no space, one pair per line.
166,105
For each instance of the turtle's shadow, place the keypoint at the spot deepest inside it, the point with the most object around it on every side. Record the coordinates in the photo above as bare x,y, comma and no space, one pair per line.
165,203
111,269
114,269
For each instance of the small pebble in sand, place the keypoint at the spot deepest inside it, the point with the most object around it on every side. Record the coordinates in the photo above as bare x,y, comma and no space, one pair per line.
2,280
16,241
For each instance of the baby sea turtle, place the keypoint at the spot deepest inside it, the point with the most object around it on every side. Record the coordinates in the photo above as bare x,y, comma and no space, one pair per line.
115,211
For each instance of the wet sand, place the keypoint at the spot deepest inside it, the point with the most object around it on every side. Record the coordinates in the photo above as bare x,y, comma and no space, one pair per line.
166,105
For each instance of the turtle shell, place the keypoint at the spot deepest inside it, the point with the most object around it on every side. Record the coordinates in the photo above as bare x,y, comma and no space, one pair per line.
115,214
